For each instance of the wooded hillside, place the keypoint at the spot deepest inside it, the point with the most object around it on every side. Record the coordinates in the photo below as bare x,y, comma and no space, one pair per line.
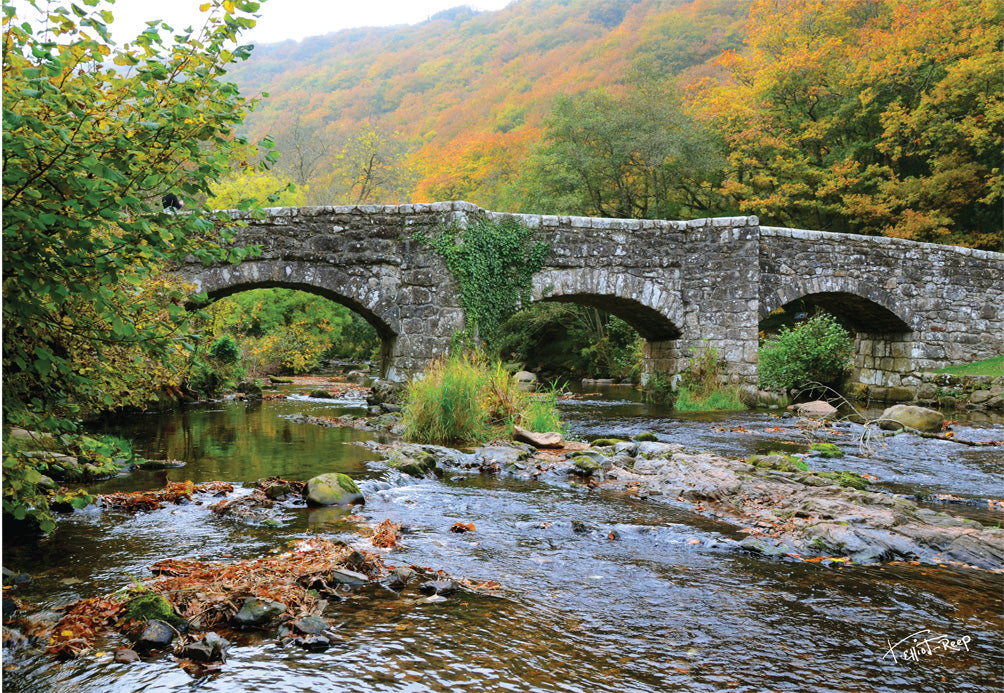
868,116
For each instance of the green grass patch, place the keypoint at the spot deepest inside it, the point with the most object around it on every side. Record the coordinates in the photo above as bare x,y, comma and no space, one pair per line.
466,399
993,367
723,399
828,450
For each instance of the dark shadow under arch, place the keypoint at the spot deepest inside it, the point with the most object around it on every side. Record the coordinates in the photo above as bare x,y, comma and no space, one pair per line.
854,312
649,323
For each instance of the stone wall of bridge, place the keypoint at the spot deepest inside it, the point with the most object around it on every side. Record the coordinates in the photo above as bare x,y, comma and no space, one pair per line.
915,307
681,284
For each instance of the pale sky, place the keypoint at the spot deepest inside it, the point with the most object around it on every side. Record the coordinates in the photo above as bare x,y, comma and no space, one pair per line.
286,19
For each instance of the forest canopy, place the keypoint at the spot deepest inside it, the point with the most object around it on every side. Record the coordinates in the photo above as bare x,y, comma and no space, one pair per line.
864,116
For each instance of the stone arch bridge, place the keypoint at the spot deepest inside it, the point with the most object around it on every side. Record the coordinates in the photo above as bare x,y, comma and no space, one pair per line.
680,284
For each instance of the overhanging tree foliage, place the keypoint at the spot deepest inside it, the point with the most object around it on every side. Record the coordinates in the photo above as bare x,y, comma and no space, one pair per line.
93,136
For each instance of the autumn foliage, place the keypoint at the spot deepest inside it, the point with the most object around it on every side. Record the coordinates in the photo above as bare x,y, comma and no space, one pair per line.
864,116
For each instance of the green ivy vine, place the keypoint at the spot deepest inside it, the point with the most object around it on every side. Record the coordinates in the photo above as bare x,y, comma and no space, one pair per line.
493,263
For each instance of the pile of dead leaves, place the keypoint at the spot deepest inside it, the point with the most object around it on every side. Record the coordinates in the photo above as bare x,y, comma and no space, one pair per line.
209,594
75,632
385,536
174,492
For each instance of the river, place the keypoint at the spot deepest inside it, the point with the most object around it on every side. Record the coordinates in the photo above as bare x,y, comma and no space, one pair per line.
668,603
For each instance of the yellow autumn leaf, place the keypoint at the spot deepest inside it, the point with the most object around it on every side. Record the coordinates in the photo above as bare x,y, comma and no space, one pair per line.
228,6
66,633
205,6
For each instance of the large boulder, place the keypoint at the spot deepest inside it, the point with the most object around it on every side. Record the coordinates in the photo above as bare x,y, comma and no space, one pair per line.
537,440
815,408
333,489
911,416
526,381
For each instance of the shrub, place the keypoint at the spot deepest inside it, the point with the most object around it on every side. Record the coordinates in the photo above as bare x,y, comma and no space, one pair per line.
466,399
817,350
701,385
225,350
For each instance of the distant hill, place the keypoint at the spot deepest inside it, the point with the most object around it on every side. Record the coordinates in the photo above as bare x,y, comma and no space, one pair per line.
463,88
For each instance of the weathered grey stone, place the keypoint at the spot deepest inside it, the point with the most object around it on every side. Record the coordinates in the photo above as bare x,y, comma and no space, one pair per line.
310,625
211,648
817,408
526,381
920,418
348,577
155,635
681,284
258,612
333,489
538,440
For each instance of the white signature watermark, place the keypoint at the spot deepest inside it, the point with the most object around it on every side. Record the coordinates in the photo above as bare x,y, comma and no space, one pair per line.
924,643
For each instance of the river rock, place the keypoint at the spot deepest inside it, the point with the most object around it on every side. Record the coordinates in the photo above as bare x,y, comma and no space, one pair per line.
501,454
310,625
156,635
384,391
538,440
443,588
526,381
124,655
911,416
313,643
342,576
657,449
249,390
333,489
211,648
399,578
258,612
814,408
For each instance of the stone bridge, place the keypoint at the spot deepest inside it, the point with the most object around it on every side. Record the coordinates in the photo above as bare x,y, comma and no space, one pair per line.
680,284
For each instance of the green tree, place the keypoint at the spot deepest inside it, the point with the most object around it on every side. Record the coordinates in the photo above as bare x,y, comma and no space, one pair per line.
636,155
93,135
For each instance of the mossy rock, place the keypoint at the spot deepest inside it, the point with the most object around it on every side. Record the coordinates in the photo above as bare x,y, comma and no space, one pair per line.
333,489
828,450
276,380
585,466
152,465
647,436
320,394
846,479
150,606
778,461
606,442
417,466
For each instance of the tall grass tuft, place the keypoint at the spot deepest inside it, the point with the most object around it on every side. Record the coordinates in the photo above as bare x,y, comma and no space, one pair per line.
467,399
445,405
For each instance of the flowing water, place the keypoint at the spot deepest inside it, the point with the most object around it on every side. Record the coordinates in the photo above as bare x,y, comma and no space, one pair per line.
666,604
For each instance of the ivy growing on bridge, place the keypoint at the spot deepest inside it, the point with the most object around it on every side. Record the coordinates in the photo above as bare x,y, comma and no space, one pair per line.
493,263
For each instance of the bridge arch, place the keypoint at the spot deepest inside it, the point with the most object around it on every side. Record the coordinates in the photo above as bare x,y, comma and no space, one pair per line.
865,308
652,309
372,297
